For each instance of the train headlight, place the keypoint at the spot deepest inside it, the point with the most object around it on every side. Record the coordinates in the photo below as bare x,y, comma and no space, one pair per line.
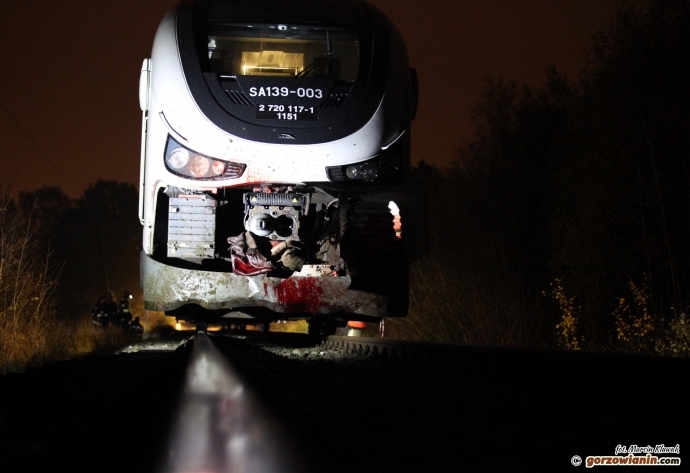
378,170
178,158
367,172
187,163
198,166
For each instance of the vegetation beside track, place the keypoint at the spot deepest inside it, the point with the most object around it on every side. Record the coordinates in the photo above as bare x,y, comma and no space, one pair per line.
565,222
32,331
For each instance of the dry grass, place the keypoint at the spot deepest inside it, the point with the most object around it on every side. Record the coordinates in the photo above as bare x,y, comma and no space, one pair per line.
27,312
61,340
473,299
82,337
31,333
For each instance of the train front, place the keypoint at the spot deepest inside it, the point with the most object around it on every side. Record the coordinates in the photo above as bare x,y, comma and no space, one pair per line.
275,160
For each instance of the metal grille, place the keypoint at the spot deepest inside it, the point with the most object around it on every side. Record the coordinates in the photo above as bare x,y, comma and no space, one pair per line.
238,98
335,173
334,101
234,170
191,227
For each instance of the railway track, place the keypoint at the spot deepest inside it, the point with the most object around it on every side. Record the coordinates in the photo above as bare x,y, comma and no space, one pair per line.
219,426
394,348
337,404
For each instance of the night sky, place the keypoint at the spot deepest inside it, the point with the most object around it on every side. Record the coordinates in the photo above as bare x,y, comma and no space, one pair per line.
69,111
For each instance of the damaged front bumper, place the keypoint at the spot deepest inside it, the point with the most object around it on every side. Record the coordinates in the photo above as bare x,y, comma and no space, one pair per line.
314,290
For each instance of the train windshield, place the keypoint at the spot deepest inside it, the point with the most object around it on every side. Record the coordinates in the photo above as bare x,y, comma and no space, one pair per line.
282,50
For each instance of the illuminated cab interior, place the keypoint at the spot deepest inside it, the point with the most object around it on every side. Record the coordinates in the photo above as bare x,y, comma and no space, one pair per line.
282,51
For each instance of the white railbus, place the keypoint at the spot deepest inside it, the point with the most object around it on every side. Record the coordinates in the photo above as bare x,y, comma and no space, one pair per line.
275,164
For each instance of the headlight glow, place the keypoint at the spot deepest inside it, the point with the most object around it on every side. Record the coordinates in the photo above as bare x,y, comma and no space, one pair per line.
367,172
199,166
187,163
217,167
178,158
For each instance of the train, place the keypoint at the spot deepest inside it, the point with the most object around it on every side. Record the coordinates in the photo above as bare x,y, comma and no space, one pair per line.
275,177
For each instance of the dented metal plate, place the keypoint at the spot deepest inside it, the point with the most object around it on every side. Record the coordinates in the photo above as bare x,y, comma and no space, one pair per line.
312,291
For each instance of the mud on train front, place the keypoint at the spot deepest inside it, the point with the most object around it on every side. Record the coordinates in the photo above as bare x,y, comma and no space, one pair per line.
275,162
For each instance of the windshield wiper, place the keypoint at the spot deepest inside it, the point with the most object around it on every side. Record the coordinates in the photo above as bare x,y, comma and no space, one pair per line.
328,53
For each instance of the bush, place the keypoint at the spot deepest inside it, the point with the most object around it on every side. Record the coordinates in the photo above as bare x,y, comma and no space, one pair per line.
31,332
27,282
675,340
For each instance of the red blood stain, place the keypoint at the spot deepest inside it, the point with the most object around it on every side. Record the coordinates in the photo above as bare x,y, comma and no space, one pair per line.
299,295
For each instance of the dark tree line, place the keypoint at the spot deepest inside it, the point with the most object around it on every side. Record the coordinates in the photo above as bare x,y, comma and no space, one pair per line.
93,241
586,181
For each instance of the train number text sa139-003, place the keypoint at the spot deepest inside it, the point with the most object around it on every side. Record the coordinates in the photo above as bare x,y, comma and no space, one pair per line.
285,92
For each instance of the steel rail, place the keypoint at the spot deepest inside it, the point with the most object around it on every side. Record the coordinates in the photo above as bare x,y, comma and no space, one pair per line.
220,427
